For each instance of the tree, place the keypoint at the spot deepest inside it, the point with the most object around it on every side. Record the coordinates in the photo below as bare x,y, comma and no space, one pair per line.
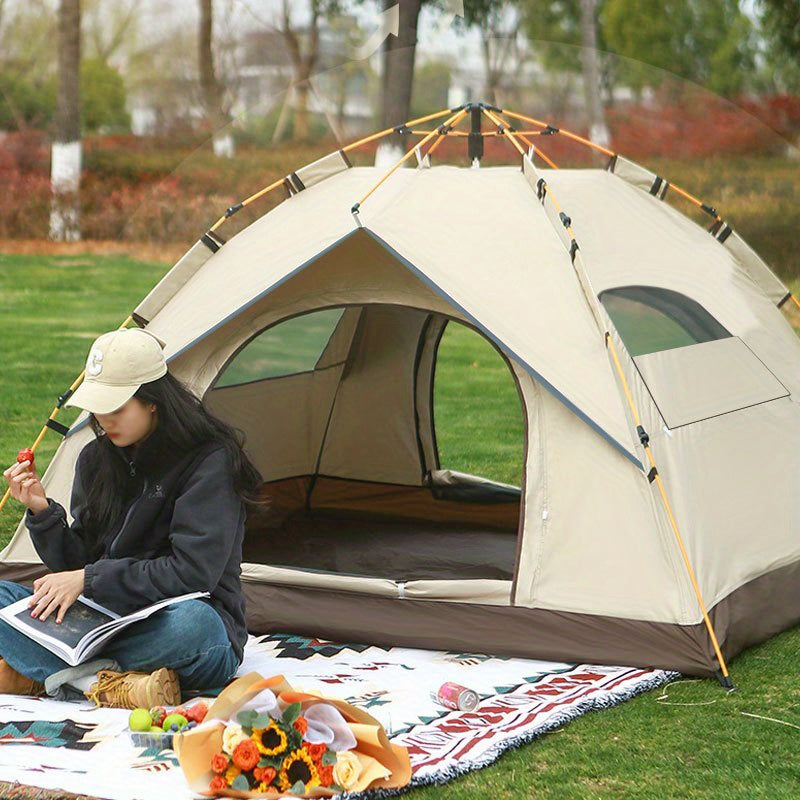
212,90
780,27
431,83
109,29
706,41
598,130
398,57
498,23
301,37
27,65
303,49
65,169
102,97
781,18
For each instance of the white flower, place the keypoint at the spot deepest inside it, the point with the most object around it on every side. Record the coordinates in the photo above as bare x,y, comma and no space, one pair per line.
231,736
347,770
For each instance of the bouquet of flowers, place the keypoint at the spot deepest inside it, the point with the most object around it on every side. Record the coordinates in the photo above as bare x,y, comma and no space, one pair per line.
260,738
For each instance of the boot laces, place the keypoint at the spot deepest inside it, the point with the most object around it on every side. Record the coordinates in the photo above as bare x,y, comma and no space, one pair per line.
112,689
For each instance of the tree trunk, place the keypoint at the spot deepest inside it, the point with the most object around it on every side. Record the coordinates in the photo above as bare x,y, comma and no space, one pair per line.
398,65
598,130
302,128
210,86
65,164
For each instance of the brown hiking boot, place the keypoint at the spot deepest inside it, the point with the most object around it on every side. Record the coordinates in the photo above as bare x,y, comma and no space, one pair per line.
135,689
12,682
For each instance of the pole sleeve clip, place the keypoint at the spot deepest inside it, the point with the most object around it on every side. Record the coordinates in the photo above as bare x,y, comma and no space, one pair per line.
565,220
57,427
233,209
644,438
62,398
651,476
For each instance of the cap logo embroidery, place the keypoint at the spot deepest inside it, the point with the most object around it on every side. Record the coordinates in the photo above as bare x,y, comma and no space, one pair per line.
94,364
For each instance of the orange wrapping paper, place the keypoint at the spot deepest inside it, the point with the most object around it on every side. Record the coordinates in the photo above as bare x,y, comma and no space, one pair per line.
383,764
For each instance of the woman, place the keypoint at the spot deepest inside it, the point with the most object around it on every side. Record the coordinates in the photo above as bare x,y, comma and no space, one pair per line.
158,503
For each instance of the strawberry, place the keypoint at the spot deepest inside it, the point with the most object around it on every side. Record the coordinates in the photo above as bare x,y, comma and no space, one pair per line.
26,454
158,714
196,712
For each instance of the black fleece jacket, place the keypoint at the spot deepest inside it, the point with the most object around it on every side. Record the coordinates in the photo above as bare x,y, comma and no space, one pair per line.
180,531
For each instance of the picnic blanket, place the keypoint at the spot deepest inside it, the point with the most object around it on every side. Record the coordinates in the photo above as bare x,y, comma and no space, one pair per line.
75,747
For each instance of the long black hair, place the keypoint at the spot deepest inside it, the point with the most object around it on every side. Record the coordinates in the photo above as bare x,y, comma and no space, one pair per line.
184,423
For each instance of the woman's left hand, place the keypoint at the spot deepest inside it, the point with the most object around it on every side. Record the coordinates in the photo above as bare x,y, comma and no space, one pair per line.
57,591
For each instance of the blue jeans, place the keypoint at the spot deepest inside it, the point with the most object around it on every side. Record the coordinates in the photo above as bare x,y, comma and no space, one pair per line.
188,637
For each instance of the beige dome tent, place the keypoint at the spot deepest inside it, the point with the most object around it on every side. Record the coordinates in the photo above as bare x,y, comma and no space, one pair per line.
656,523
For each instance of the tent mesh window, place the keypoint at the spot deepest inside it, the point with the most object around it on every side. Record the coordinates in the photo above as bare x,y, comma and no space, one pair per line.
335,401
286,349
650,319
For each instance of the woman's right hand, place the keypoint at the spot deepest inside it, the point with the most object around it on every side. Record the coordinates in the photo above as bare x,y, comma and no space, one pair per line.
25,486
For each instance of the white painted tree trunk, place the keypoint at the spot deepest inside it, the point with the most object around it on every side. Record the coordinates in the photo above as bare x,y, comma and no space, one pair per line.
598,129
223,144
65,180
388,153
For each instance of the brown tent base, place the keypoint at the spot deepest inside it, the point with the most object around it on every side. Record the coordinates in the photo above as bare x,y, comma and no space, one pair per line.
530,632
516,631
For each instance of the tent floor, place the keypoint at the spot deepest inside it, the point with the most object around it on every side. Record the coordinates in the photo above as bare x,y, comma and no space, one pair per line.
384,548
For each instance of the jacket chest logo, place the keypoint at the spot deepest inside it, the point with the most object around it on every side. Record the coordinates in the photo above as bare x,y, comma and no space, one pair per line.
156,492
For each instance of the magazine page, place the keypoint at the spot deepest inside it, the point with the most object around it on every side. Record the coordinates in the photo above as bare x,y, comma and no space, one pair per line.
92,639
62,638
85,627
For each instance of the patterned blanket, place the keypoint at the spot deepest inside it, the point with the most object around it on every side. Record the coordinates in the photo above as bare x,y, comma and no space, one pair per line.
77,748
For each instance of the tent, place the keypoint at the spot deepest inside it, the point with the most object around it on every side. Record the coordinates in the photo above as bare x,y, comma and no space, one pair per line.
658,380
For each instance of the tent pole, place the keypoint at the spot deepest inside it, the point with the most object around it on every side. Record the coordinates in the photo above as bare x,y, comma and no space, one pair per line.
444,134
440,131
507,127
568,134
371,138
575,137
590,296
54,413
654,476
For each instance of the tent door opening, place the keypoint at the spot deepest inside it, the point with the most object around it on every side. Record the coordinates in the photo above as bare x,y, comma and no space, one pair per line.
372,426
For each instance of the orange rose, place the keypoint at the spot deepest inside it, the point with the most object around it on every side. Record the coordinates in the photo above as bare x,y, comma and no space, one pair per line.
219,763
246,755
316,751
325,774
300,725
217,783
264,774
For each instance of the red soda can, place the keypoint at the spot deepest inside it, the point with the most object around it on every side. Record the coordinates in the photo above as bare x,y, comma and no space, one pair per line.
455,696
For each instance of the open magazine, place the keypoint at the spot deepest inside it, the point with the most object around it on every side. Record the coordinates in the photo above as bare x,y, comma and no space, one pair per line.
85,628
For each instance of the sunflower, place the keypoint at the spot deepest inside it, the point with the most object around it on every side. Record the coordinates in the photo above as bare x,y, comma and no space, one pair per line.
271,741
298,766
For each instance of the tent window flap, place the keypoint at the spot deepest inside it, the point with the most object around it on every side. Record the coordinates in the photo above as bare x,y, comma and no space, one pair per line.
695,383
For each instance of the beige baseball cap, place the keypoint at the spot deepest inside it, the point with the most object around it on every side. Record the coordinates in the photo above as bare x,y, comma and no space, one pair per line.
119,362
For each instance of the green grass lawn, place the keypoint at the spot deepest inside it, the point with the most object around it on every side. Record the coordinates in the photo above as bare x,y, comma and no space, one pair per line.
703,745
